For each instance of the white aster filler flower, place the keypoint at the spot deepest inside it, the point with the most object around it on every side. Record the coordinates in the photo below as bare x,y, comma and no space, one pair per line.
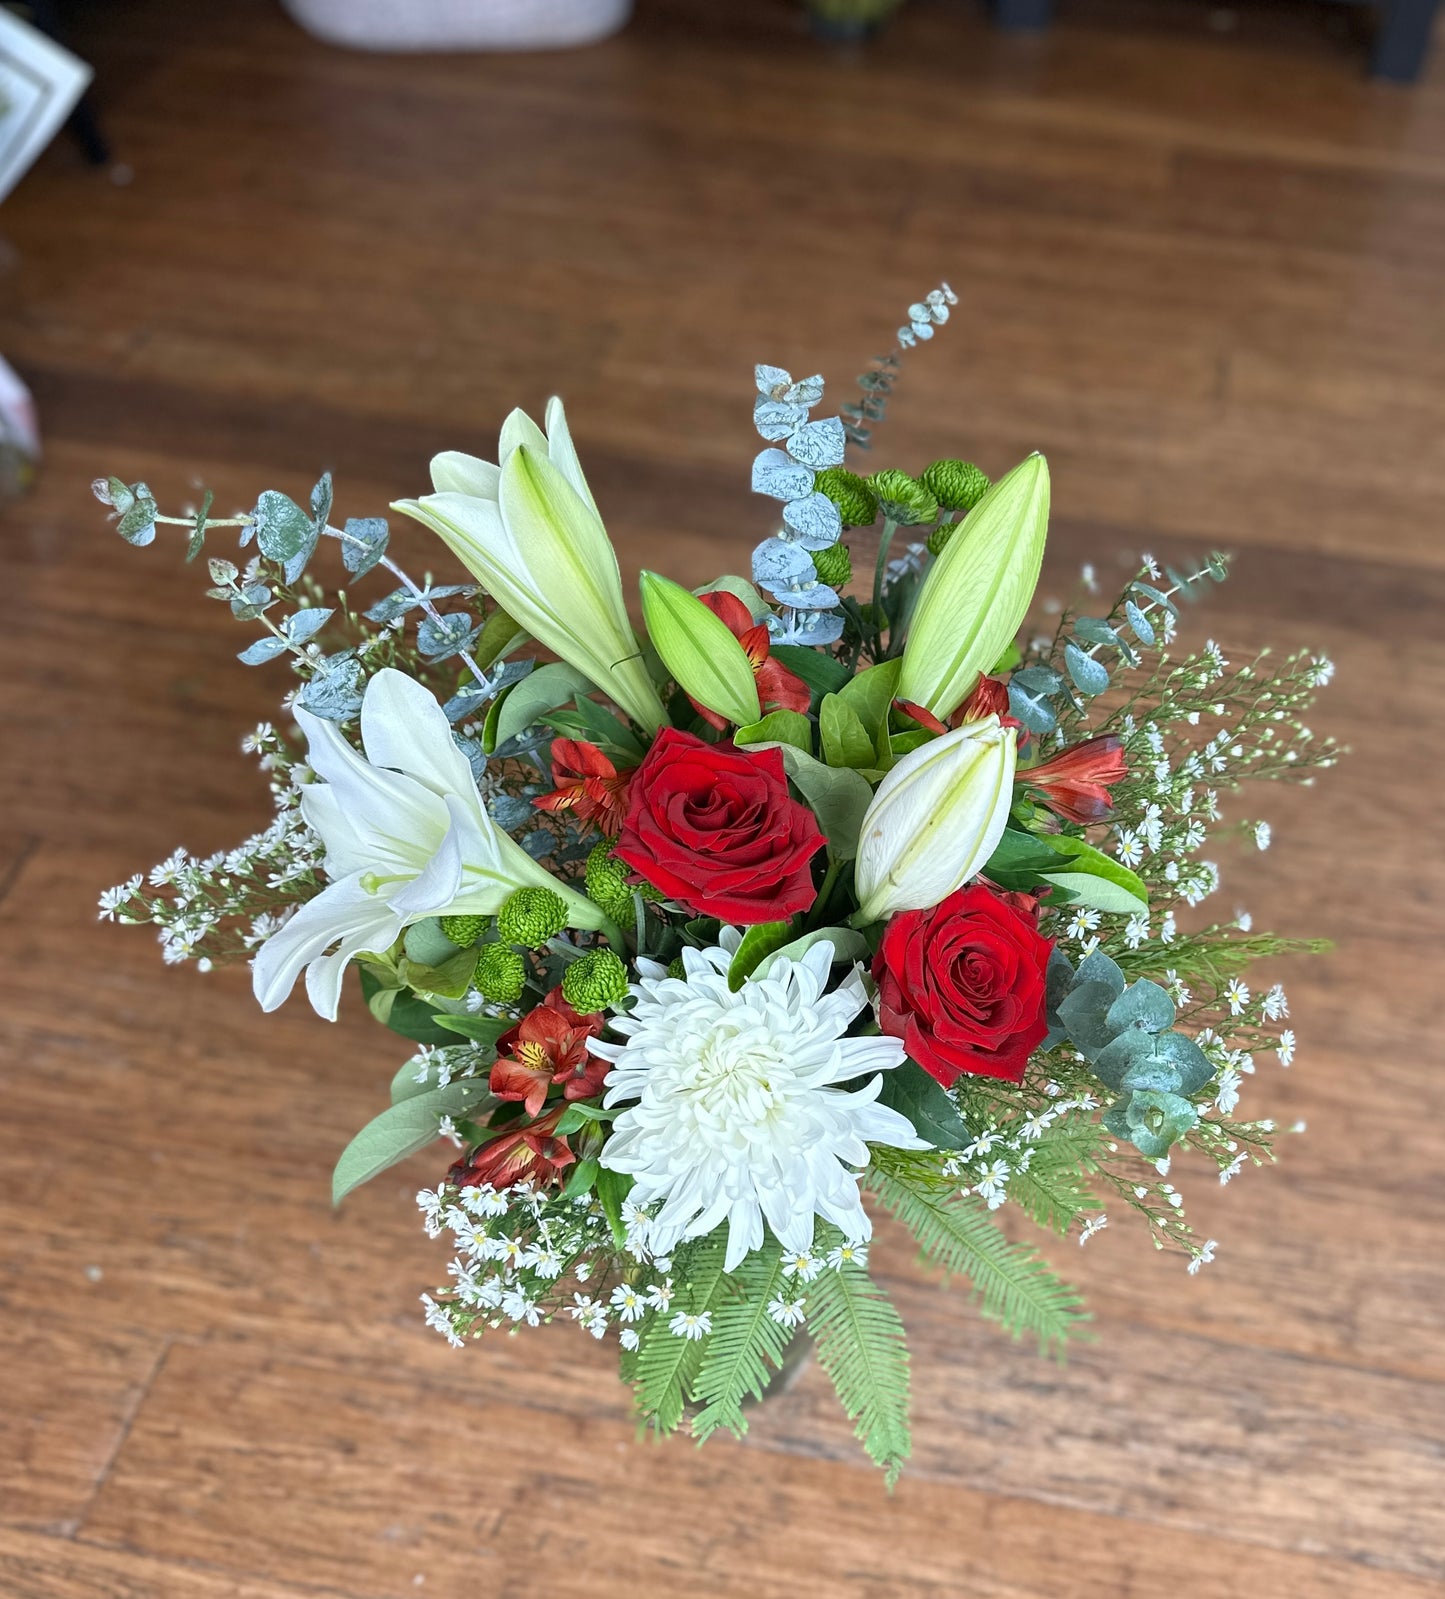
406,836
733,1113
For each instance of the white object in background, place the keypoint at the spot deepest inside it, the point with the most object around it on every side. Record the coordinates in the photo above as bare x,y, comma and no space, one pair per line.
460,24
19,435
39,83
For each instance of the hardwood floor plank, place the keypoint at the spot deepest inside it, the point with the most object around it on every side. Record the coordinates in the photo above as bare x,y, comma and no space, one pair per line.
36,1567
244,1462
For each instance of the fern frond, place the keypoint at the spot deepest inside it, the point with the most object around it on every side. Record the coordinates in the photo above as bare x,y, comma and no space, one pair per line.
1016,1288
1054,1187
745,1338
861,1345
666,1365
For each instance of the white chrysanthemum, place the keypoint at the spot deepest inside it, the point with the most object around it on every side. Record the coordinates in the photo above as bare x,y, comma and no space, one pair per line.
732,1110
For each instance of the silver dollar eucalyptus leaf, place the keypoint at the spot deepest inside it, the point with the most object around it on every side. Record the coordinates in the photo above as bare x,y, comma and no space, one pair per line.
807,596
777,475
814,520
780,562
775,420
819,444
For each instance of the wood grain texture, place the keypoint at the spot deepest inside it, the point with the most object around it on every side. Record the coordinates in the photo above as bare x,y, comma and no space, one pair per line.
1203,274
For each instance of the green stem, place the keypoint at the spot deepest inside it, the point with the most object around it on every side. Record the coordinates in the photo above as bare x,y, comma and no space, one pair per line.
815,917
880,567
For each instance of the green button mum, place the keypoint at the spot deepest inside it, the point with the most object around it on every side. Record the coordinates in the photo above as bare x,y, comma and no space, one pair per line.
594,982
501,973
903,499
531,916
857,503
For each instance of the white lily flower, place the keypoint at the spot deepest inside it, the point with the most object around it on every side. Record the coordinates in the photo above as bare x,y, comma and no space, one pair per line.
407,836
935,820
528,531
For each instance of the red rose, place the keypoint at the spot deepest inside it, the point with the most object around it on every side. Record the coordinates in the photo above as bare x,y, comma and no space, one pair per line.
963,985
714,827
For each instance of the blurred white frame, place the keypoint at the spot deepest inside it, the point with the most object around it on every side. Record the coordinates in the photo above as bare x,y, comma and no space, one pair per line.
39,84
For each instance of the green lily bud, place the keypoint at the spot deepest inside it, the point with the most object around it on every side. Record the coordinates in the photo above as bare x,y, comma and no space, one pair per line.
594,982
857,503
833,565
501,973
956,485
975,595
699,650
903,499
464,931
531,916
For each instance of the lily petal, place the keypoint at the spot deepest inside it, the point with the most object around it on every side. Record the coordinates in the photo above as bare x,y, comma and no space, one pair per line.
403,727
342,910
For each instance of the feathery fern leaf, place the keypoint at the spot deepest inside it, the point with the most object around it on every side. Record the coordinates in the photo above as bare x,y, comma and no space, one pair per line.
861,1345
1054,1187
745,1338
1016,1288
667,1364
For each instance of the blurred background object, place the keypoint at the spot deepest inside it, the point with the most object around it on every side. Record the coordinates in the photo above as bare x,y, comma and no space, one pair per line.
460,24
39,84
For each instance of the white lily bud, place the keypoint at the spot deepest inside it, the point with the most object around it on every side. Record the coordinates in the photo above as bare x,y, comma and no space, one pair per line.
935,820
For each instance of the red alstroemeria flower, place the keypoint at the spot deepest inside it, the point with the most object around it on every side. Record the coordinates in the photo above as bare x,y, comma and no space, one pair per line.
531,1152
777,686
1075,783
549,1047
588,784
989,698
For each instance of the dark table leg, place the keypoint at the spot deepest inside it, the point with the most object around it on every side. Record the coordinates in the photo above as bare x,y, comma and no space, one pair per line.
1403,39
1023,16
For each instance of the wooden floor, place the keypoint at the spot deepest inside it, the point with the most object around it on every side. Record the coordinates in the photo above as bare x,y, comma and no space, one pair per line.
1202,270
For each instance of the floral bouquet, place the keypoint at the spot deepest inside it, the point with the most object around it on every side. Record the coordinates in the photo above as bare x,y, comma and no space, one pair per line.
812,899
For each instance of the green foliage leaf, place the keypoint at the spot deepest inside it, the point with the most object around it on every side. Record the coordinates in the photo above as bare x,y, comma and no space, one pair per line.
1097,879
1090,676
1084,1012
862,1346
400,1131
870,697
779,727
396,1007
542,690
838,796
760,941
848,945
910,1091
1016,1288
283,529
612,1188
484,1030
363,543
846,742
1144,1004
500,635
1020,860
822,673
